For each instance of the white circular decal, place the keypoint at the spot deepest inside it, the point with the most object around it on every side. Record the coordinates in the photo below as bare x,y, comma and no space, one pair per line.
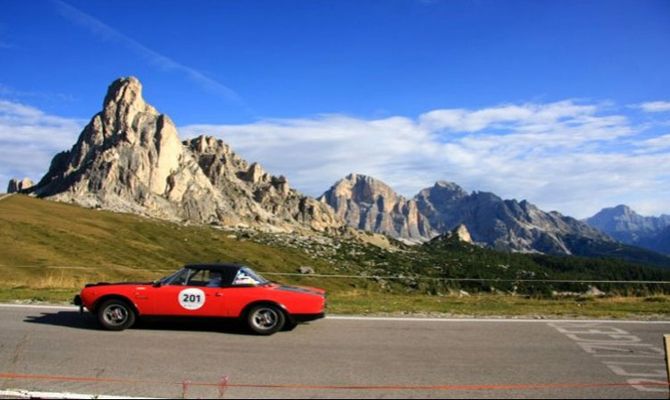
192,299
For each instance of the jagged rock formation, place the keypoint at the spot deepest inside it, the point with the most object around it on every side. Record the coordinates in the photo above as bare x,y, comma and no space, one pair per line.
269,197
16,185
627,226
501,224
461,233
369,204
129,158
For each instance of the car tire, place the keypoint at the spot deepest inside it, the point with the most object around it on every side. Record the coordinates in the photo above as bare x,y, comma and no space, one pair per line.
265,319
116,315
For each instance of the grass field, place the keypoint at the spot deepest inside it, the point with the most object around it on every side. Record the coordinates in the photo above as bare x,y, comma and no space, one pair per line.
50,250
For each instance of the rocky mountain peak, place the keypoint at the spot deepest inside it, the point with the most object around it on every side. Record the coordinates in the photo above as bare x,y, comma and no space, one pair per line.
481,217
129,158
127,90
441,192
369,204
624,224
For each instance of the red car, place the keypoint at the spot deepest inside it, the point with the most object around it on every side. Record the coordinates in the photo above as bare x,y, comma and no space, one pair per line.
208,290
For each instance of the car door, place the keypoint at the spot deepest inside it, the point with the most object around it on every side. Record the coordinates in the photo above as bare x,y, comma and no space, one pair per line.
193,293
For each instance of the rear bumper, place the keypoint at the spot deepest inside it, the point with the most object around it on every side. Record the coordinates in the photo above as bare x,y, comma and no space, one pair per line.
307,317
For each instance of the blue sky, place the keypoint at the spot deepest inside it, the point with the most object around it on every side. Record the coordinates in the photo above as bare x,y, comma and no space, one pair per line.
566,104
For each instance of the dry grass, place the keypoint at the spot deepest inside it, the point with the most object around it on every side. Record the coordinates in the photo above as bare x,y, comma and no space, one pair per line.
50,250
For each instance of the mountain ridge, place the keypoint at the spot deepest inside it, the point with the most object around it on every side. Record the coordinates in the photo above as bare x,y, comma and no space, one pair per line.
624,224
362,201
129,158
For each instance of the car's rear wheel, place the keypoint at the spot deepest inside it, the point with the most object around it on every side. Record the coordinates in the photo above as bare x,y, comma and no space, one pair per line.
265,319
116,315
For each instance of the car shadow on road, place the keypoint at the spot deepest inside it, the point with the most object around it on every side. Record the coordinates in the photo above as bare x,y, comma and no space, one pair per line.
75,320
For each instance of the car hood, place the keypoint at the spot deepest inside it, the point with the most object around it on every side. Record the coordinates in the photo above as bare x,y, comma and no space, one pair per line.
301,289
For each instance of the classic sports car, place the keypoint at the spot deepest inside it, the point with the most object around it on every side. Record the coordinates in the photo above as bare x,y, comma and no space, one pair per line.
208,290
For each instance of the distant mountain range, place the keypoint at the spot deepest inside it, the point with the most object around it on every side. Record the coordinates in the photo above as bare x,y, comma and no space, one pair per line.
509,225
627,226
129,158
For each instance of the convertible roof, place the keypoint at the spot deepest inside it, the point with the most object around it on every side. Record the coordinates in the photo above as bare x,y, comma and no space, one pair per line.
222,267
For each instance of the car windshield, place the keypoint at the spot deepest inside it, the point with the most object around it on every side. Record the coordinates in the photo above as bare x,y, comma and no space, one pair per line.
178,278
247,276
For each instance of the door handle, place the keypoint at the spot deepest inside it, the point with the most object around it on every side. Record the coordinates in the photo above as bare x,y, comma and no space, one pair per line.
218,294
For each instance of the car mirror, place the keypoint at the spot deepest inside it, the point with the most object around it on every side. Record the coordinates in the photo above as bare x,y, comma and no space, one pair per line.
156,283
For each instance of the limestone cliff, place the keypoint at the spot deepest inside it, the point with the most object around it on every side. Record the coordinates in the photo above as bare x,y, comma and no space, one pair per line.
129,158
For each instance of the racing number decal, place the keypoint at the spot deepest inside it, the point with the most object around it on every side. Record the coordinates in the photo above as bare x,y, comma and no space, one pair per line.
192,299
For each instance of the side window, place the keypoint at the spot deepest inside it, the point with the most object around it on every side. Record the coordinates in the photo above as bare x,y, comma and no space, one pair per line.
198,277
215,279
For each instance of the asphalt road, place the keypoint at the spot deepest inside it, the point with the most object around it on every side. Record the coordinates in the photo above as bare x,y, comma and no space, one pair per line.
51,349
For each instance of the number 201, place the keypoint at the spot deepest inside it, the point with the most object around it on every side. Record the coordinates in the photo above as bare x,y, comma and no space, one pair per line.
191,298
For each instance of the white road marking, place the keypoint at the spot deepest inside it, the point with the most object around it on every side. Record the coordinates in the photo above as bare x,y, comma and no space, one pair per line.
30,394
501,319
625,354
397,319
41,306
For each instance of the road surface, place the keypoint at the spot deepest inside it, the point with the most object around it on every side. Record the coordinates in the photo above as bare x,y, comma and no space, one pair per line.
57,350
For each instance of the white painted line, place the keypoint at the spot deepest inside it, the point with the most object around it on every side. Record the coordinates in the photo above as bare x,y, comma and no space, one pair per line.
29,394
506,319
40,306
398,319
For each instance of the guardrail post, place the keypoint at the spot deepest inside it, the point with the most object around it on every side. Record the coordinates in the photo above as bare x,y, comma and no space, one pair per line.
666,346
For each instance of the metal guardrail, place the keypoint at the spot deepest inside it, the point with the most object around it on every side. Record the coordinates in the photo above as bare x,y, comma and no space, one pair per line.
390,277
385,277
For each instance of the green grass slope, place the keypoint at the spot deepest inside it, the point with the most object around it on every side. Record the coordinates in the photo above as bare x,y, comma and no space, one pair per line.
50,250
55,246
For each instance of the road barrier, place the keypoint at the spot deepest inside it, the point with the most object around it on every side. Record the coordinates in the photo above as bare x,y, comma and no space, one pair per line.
386,277
666,346
427,278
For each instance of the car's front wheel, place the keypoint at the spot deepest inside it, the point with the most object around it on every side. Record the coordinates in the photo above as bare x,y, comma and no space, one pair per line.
116,315
265,319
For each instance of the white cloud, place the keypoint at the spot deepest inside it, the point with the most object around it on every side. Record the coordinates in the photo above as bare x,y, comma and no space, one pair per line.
655,106
658,143
565,156
29,138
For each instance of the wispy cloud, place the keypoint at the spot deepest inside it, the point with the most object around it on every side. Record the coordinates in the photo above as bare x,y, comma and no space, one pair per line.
29,138
572,157
655,106
161,61
9,92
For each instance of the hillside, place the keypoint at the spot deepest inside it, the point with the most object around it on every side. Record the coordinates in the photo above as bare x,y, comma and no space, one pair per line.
48,244
56,246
